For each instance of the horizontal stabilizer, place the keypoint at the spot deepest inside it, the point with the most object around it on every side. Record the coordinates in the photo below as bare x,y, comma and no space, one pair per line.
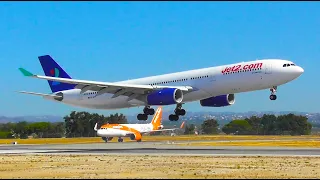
40,94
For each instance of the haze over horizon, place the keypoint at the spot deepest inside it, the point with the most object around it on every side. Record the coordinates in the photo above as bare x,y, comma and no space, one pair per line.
113,41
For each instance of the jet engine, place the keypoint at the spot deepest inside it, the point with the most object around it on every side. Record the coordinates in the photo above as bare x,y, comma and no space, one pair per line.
218,101
166,96
60,98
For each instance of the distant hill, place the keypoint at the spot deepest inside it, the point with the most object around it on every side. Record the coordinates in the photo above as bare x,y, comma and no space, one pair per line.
190,117
4,119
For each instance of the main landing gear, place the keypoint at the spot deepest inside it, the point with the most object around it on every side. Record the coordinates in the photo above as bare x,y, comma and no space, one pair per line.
146,111
106,139
273,95
120,139
178,112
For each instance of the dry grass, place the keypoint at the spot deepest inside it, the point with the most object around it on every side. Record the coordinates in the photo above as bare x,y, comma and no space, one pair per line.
139,166
156,138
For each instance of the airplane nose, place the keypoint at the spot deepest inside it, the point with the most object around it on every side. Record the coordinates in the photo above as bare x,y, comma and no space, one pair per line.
99,133
300,70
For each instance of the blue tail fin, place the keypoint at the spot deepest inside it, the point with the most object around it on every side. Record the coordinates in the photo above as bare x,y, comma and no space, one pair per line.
51,68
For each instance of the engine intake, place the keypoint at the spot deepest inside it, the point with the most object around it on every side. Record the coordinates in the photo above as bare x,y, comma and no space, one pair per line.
218,101
166,96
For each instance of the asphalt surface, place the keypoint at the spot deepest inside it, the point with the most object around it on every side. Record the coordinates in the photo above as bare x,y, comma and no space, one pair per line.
156,148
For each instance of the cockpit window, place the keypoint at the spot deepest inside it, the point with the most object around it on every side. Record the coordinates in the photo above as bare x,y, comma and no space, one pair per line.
287,65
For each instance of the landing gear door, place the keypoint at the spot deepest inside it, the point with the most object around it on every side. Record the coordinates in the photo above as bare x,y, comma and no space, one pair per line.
268,69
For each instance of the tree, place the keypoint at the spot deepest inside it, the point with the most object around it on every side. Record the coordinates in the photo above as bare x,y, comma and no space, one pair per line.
268,124
189,129
237,127
210,126
255,123
295,125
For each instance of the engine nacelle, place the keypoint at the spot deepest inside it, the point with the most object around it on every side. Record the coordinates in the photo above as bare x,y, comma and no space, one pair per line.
166,96
135,136
132,137
59,98
218,101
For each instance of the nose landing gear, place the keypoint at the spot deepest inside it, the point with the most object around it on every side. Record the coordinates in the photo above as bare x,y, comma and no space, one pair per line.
273,95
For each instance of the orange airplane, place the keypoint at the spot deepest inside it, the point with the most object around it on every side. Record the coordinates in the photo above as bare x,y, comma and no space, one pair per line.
134,131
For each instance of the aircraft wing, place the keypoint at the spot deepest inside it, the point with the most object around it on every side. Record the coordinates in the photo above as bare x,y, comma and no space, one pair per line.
165,130
40,94
130,90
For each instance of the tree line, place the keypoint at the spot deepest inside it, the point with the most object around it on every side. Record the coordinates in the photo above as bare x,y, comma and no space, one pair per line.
76,124
289,124
81,124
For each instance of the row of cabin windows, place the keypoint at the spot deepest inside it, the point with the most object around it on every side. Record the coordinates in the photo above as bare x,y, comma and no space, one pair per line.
90,93
287,65
180,80
243,71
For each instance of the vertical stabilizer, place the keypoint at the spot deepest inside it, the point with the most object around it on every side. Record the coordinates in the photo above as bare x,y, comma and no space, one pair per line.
51,68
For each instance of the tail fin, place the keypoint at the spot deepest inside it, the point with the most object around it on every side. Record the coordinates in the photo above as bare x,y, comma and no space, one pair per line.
157,118
51,68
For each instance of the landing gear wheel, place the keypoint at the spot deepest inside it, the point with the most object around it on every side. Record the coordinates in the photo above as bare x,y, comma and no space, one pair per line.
273,97
105,139
120,140
173,117
139,140
148,111
142,117
180,112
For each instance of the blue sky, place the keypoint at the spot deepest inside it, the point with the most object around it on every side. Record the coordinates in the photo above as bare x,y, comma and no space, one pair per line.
112,41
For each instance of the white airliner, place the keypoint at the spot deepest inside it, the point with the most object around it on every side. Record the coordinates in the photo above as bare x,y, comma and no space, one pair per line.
134,131
212,87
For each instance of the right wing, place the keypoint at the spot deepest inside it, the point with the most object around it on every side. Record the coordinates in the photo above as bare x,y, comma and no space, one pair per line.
130,90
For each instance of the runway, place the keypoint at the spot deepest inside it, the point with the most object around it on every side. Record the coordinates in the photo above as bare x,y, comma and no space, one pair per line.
157,148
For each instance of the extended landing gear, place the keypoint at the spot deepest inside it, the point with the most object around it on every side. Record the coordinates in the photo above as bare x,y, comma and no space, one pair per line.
120,139
273,95
178,112
106,139
146,111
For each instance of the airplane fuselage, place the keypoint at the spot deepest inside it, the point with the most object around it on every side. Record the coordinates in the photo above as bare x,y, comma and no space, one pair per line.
206,83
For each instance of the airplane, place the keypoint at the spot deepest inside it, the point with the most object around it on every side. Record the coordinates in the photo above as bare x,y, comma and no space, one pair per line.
134,131
212,86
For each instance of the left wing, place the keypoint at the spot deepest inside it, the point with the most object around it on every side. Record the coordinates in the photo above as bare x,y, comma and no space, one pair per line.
130,90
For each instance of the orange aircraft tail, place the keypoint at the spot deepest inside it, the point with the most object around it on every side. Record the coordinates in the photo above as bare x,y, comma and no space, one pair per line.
157,119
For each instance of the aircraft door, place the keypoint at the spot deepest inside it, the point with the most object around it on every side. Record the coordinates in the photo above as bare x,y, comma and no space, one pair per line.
268,69
212,78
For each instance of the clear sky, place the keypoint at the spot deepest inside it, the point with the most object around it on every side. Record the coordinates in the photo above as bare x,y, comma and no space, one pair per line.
113,41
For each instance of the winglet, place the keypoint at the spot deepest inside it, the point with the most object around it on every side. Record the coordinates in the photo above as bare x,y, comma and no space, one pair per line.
25,72
95,127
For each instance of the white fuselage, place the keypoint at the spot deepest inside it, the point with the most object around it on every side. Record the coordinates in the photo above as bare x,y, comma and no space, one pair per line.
119,131
206,82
